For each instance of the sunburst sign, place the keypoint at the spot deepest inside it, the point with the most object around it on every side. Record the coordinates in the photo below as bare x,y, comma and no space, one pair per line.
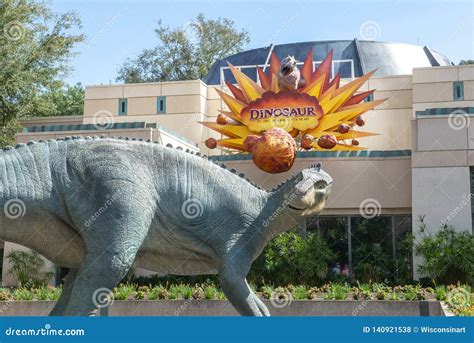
315,110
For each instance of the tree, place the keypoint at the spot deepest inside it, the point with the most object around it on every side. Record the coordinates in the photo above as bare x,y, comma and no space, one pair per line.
185,53
464,62
62,101
35,45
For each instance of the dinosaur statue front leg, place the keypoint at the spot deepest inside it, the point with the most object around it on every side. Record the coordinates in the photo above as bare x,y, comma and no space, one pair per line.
112,242
240,295
60,306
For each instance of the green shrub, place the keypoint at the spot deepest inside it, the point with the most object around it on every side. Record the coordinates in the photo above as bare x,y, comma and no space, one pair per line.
22,294
337,292
124,291
210,292
440,293
158,292
300,293
289,258
448,256
27,268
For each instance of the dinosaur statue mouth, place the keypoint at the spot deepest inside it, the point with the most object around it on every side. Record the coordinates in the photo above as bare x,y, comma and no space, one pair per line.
296,208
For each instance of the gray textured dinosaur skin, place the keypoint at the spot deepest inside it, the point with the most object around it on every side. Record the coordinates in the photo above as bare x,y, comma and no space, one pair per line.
99,205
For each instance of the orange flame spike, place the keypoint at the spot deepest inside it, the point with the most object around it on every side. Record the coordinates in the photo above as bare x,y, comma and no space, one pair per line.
336,81
265,80
231,115
315,87
307,69
233,131
232,143
358,98
239,95
324,69
345,92
251,90
234,105
274,64
275,88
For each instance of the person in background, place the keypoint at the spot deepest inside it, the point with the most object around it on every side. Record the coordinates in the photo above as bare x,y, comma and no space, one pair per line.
345,270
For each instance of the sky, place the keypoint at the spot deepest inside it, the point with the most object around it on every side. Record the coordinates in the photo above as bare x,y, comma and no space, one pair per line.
117,30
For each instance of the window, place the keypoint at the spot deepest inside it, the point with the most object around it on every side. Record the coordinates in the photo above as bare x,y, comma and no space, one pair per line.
161,104
458,90
369,97
122,110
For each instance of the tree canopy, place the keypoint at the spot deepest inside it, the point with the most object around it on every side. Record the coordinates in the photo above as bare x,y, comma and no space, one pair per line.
185,53
35,46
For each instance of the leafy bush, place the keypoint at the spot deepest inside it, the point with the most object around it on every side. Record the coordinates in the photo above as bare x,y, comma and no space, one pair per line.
448,256
48,293
210,291
289,258
337,292
22,294
27,268
124,291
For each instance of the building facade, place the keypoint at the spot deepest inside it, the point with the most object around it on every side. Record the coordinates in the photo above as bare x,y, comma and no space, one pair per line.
419,166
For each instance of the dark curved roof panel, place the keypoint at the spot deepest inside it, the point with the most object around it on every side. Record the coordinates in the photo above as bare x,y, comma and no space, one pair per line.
387,58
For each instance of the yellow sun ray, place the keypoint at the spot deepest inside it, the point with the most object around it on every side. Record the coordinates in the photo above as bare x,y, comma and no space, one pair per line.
252,91
233,131
351,134
344,93
234,105
339,147
232,143
231,115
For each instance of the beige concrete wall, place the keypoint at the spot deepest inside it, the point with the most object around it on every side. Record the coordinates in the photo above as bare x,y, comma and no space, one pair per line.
186,104
442,151
386,180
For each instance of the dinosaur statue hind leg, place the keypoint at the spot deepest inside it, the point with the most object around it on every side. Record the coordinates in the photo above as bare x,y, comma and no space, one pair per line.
65,294
112,242
237,290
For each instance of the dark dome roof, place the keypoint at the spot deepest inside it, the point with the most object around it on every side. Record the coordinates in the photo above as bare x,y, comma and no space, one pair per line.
389,58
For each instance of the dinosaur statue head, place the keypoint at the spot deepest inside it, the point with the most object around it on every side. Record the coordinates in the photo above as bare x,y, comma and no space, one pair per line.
288,64
311,188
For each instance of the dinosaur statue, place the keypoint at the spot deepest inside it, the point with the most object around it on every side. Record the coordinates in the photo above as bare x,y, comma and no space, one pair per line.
96,205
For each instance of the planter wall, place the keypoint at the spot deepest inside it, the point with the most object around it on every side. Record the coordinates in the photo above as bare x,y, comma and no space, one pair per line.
223,308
